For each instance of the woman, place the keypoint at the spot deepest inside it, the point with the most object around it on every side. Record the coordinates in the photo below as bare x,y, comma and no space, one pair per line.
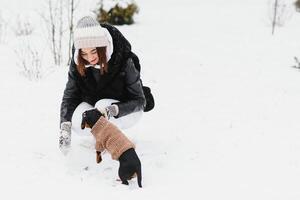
102,74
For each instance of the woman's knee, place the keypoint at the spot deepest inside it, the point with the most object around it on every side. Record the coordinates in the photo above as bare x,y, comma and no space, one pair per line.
129,120
103,103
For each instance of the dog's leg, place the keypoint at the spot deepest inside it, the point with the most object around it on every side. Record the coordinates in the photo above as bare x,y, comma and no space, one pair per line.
125,182
98,157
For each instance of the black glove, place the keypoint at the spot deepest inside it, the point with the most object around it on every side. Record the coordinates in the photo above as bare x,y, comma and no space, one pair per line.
130,165
90,117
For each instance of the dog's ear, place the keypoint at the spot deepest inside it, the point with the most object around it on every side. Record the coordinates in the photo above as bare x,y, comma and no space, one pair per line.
84,123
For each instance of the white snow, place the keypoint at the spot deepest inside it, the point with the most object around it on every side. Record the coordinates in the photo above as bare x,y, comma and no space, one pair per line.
226,121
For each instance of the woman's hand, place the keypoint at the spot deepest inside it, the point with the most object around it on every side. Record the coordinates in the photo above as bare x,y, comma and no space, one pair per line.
111,111
65,137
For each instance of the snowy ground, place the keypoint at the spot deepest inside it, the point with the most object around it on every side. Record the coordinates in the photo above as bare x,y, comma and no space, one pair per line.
226,120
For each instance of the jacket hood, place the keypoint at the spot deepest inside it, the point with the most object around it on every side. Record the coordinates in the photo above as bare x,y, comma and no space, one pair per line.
121,46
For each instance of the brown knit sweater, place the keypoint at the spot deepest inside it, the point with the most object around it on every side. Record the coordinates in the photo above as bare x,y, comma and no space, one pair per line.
110,137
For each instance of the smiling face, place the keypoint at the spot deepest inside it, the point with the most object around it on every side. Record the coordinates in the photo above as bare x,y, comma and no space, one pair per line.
90,55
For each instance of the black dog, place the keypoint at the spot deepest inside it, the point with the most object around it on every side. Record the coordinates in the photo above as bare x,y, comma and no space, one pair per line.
130,164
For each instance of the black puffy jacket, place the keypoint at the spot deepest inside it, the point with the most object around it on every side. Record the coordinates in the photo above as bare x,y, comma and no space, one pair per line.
122,82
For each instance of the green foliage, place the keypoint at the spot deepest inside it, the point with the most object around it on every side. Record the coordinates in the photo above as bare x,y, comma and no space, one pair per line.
118,15
297,4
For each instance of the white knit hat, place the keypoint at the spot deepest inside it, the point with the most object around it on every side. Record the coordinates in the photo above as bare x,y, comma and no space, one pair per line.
88,33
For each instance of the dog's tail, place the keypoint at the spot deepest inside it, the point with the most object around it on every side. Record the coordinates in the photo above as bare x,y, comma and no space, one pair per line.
139,176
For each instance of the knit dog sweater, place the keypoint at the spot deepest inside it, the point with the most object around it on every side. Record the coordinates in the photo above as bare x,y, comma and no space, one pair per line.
110,137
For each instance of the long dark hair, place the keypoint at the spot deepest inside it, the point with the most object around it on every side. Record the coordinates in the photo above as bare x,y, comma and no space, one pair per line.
101,51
